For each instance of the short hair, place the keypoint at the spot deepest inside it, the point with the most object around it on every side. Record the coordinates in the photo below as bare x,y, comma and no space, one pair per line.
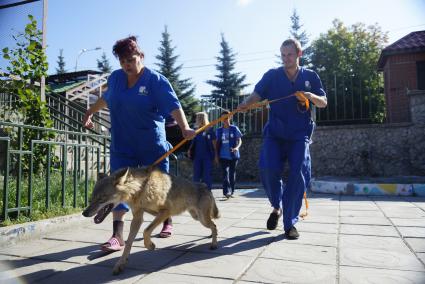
225,111
295,43
126,47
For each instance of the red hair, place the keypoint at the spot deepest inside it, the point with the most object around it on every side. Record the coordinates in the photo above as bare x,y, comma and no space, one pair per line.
126,47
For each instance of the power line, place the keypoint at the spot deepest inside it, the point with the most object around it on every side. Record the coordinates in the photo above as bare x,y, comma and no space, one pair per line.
214,58
238,61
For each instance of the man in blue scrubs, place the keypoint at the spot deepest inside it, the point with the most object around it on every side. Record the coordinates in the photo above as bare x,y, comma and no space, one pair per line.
287,134
139,100
228,143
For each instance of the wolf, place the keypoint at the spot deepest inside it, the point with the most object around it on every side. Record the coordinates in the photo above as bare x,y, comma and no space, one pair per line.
153,191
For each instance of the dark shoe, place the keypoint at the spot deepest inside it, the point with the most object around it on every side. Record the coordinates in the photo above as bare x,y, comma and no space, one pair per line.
272,221
292,234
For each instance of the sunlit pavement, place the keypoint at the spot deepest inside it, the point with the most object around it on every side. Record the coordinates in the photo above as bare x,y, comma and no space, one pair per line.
344,239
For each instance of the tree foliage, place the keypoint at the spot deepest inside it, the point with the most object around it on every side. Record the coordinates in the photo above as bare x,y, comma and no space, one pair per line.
346,60
29,63
61,63
103,64
167,64
300,35
228,83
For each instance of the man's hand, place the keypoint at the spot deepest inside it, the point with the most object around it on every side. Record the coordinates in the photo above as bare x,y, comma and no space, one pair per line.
87,122
188,133
303,98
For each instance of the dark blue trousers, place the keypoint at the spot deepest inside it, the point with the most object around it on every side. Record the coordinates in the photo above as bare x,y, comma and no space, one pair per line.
229,175
202,171
274,154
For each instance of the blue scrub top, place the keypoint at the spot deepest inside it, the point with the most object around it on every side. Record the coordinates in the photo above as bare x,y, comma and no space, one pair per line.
287,120
203,144
138,113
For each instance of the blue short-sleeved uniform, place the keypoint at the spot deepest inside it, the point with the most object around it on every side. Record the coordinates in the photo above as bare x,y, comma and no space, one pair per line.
286,138
138,118
203,156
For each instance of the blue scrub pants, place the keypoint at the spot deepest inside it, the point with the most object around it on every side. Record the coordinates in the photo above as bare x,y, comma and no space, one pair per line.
229,175
202,168
120,161
274,154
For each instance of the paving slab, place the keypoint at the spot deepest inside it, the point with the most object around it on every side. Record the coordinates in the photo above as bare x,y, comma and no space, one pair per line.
417,244
287,250
266,270
361,275
368,230
416,232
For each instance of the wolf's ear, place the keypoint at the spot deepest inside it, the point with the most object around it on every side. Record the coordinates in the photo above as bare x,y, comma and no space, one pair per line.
101,176
121,179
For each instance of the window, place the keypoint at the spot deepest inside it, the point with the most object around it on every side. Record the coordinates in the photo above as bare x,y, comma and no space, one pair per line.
420,71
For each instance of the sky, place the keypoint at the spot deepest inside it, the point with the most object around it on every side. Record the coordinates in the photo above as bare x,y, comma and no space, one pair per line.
254,29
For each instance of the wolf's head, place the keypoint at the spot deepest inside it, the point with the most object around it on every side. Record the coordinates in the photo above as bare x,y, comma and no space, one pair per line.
108,192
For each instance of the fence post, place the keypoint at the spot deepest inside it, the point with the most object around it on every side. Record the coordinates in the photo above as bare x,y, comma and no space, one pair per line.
6,177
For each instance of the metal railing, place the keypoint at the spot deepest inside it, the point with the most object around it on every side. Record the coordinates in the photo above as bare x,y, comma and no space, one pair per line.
347,104
70,164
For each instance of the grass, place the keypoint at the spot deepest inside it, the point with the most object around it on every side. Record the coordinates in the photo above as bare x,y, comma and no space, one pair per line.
39,210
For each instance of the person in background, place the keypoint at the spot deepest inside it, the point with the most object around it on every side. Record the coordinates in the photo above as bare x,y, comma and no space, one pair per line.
287,133
138,99
202,151
228,143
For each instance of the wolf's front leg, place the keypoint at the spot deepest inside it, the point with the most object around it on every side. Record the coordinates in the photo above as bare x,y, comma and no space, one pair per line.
134,229
160,218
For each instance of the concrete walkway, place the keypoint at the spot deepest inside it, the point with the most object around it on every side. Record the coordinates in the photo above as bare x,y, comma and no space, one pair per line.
344,239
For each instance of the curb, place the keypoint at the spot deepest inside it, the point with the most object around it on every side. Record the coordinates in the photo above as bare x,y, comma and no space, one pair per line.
368,188
26,231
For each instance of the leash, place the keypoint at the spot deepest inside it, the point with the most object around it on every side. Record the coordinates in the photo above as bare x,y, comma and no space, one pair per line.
305,102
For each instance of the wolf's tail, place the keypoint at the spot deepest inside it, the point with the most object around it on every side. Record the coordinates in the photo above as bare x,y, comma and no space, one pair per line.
216,213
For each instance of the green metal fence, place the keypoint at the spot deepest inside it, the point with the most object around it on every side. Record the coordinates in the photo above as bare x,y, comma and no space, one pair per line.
71,164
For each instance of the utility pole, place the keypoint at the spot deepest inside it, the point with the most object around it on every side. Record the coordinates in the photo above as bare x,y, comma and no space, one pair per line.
43,46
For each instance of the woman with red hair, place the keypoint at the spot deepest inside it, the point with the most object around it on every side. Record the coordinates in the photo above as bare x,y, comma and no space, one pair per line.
139,99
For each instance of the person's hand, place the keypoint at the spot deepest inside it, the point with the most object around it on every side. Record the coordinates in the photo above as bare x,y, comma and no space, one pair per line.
233,150
300,96
188,133
87,122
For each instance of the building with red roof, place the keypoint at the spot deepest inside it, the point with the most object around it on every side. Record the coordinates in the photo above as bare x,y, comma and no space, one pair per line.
403,64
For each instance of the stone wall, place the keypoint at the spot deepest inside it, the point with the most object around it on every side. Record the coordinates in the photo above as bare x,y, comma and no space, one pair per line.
383,150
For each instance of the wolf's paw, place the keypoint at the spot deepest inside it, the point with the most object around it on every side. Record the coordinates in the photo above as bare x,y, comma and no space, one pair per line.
118,268
150,246
213,246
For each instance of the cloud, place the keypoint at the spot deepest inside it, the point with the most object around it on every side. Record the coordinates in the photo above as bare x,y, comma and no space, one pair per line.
244,2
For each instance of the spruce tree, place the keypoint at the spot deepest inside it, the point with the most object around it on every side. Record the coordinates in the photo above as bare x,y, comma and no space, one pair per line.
167,64
228,84
301,36
103,64
61,63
